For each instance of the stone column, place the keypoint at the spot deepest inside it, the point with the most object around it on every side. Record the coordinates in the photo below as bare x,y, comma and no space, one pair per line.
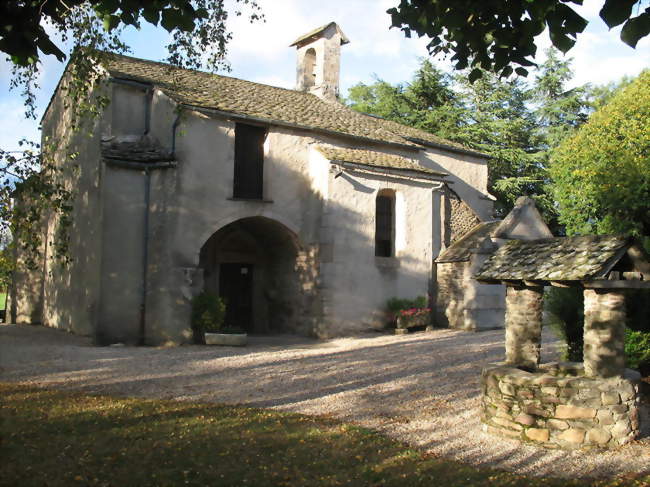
604,334
523,326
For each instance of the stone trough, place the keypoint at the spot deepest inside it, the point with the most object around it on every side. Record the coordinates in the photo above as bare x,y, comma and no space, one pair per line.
557,406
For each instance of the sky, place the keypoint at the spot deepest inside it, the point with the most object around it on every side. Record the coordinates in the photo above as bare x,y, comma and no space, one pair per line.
260,52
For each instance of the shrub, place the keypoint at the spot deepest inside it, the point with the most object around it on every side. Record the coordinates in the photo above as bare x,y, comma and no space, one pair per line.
637,350
405,307
208,313
565,307
395,305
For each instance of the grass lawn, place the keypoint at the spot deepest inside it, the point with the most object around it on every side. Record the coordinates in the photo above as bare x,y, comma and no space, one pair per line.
56,438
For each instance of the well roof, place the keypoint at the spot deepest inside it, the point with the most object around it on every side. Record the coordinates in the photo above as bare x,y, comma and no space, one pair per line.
268,103
555,259
374,159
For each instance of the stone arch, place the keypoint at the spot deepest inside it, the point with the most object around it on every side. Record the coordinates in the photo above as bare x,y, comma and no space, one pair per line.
309,68
255,264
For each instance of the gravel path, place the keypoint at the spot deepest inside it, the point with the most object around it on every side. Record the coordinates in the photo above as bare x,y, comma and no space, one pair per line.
421,388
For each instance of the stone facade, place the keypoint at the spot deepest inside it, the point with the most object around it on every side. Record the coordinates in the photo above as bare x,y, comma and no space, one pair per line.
559,407
524,306
147,237
604,333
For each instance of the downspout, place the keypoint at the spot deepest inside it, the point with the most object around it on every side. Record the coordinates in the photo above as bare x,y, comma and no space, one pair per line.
146,168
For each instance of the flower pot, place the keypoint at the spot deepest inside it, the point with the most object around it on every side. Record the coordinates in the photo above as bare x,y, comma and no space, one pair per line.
227,339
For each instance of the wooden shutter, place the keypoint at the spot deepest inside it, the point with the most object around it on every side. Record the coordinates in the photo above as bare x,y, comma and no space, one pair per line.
249,161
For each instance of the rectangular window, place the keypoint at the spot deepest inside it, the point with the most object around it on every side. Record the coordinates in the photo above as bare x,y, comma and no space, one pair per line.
249,161
384,223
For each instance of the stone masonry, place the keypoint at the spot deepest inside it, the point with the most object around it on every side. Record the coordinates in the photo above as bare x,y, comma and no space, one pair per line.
604,333
523,326
559,407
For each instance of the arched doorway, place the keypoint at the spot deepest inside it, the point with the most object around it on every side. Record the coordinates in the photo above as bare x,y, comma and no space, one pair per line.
253,264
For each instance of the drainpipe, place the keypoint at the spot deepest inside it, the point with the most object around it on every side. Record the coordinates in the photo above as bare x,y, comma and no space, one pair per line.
147,168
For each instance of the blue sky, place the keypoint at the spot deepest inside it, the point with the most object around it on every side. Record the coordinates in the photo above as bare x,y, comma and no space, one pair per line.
259,52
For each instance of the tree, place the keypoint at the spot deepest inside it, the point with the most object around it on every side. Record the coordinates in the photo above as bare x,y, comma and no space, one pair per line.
601,174
499,36
198,39
560,110
428,102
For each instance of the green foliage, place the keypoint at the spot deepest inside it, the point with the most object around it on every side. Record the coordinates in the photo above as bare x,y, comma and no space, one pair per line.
513,122
395,305
501,36
637,349
565,308
208,313
428,102
137,442
601,174
198,24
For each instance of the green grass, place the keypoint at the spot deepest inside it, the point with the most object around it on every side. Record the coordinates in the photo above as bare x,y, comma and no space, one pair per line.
3,301
60,438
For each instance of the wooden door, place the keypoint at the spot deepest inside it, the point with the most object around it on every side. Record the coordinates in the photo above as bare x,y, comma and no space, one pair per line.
236,287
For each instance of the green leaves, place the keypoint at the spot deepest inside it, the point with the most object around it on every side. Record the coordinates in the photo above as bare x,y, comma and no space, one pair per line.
615,12
636,28
601,174
499,36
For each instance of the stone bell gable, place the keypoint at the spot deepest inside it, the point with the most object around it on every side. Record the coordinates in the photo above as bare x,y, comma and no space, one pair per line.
319,61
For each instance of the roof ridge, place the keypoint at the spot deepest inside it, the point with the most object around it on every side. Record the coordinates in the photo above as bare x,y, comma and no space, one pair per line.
205,73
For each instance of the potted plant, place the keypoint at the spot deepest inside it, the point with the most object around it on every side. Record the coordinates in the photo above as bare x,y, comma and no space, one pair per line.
208,313
408,313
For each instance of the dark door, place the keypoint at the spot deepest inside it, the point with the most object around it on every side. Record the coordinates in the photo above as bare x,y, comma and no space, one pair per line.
236,287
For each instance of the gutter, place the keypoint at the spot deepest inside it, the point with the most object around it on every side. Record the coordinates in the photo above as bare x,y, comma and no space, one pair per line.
146,168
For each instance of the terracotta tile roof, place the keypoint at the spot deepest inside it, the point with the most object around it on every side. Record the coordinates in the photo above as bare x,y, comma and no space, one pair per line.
461,250
555,259
268,103
374,159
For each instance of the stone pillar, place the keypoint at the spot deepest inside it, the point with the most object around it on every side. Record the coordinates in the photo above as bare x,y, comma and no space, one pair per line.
604,334
523,326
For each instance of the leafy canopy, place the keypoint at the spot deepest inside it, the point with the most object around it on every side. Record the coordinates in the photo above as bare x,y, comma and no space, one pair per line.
601,174
499,36
515,123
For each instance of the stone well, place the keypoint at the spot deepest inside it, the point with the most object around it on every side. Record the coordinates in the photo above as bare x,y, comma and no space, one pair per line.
558,406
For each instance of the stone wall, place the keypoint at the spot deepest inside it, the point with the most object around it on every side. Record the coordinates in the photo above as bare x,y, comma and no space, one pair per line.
524,325
558,407
604,334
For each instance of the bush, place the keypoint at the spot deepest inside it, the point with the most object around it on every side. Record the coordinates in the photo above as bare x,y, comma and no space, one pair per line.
565,307
637,350
208,313
395,305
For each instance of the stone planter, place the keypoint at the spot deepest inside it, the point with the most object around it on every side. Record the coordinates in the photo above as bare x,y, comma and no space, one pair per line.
421,319
226,339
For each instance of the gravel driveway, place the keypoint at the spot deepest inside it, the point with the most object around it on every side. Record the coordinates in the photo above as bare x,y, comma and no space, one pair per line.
421,388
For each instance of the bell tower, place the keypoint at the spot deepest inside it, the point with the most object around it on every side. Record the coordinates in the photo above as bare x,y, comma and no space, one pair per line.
319,61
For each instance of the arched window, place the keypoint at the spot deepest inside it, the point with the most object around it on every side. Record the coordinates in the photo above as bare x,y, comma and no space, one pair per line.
309,68
385,224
